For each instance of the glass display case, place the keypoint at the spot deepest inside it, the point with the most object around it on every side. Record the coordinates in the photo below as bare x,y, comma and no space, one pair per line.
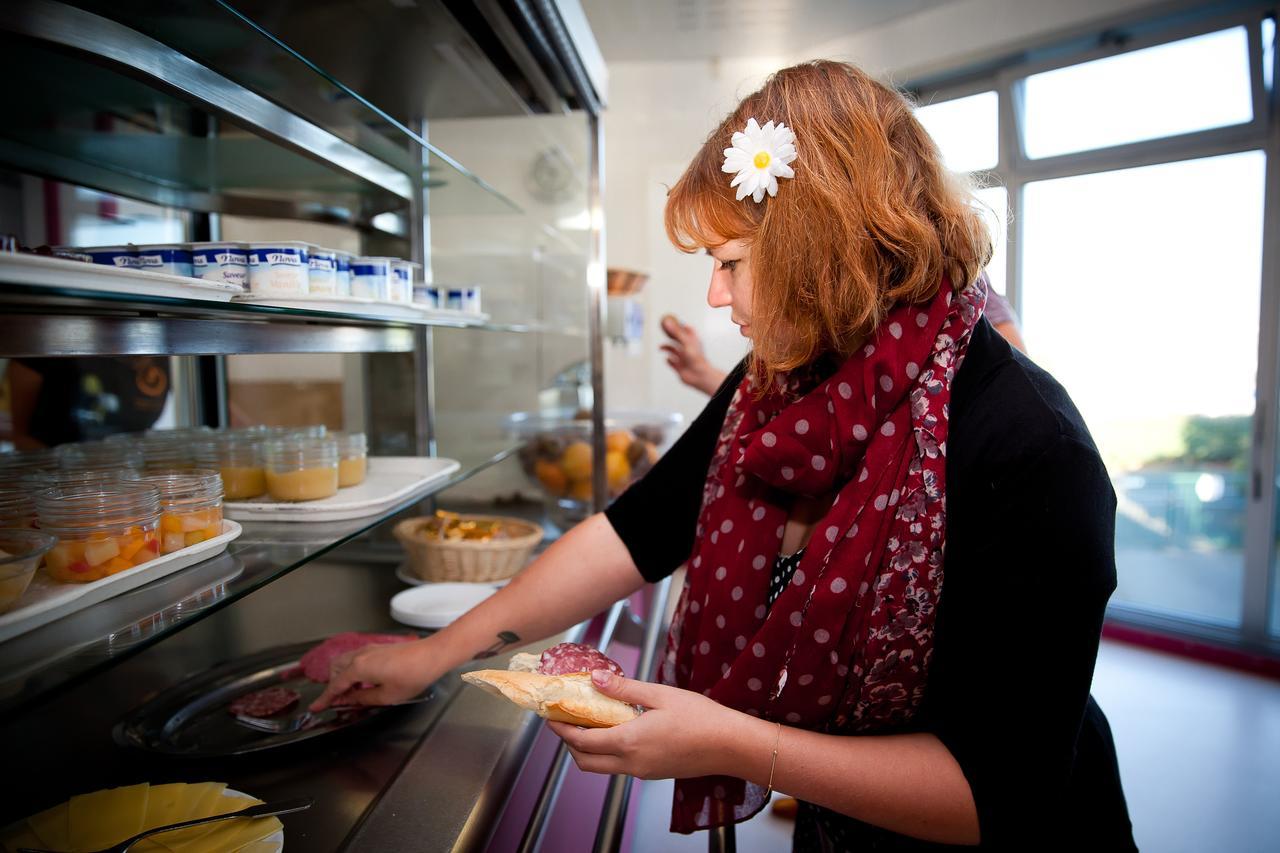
463,137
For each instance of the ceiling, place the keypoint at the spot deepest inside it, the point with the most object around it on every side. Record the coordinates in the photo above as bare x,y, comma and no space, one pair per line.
631,30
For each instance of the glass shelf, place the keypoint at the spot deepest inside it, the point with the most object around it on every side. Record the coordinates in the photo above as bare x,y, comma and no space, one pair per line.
52,656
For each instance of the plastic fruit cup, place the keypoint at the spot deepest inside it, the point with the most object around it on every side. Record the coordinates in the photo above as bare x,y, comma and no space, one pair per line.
100,529
190,507
353,458
20,553
301,469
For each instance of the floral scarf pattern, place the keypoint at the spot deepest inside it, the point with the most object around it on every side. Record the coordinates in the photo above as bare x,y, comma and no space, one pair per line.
846,647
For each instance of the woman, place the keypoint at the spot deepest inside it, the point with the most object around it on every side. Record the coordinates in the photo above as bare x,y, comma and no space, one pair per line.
815,649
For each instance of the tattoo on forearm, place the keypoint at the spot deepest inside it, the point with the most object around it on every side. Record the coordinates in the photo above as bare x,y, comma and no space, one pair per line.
505,638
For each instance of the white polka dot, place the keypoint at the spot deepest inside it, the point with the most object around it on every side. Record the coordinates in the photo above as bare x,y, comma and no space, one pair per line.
833,533
720,491
824,700
742,543
882,501
758,515
834,657
761,610
844,389
740,642
842,670
754,684
895,329
719,792
768,439
680,796
788,473
865,473
798,578
736,593
802,426
805,680
724,669
697,561
720,621
781,528
821,635
760,417
831,408
758,650
796,618
715,536
869,350
838,585
721,572
793,717
886,383
759,562
726,526
704,647
741,479
922,320
913,370
887,428
853,531
694,607
818,463
859,432
893,498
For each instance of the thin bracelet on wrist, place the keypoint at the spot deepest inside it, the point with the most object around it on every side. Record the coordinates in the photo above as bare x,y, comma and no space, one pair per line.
773,763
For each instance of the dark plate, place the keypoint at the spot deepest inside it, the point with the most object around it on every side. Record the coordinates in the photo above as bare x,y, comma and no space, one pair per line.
191,718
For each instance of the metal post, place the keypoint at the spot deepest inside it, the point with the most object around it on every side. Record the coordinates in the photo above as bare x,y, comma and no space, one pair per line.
597,305
424,415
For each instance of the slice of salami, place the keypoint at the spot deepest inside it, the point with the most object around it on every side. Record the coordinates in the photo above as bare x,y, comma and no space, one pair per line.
575,657
265,703
315,663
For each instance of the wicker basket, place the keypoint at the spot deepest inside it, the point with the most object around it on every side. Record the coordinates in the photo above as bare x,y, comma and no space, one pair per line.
436,560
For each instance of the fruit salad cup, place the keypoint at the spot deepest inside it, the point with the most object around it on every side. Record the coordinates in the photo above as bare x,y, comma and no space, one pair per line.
100,529
190,506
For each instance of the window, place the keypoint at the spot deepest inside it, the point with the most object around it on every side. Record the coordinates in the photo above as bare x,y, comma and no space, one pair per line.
1146,310
966,130
1179,87
993,203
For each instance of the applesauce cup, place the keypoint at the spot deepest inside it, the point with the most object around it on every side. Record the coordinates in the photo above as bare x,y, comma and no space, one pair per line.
301,469
20,553
100,529
353,458
190,506
238,460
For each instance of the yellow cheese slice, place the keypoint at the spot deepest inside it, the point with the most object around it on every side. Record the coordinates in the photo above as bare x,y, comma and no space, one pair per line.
166,804
186,840
52,827
106,817
234,834
20,835
261,847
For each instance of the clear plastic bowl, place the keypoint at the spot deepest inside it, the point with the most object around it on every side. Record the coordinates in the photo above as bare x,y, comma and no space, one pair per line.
17,506
237,458
98,456
190,506
301,469
20,553
556,452
101,529
353,458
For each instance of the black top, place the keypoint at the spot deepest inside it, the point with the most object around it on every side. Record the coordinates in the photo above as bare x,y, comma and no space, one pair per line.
87,399
1029,567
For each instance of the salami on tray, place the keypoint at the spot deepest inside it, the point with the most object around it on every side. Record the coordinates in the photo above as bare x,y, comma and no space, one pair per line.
264,703
316,662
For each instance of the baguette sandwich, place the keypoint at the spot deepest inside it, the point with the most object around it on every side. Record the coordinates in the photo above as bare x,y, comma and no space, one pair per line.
557,685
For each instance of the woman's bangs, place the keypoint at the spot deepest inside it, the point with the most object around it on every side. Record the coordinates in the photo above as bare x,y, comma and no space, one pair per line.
701,215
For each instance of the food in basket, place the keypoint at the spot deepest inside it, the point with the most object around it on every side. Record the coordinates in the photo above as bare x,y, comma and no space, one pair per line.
467,548
451,525
316,662
557,686
104,818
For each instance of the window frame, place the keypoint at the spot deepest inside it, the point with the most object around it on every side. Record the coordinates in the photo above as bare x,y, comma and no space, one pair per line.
1015,170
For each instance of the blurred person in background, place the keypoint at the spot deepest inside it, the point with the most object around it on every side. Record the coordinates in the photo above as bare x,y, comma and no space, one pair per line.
60,400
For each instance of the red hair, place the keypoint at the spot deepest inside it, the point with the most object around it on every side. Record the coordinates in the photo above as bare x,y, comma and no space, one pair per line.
871,218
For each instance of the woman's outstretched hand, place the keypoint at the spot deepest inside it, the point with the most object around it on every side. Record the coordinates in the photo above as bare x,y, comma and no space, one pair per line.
685,355
379,675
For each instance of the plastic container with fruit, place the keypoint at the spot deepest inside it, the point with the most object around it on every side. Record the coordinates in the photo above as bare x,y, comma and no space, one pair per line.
100,529
556,453
301,469
237,457
20,553
353,458
190,506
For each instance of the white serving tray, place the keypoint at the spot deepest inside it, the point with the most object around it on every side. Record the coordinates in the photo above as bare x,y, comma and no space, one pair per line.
46,599
411,312
391,480
42,271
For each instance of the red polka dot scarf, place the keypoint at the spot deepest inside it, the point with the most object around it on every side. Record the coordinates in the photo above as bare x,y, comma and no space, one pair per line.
846,646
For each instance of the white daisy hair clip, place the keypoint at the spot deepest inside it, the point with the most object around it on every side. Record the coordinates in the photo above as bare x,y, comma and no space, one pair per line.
760,155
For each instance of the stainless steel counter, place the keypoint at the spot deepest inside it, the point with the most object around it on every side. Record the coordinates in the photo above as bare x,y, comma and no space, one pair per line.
432,777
